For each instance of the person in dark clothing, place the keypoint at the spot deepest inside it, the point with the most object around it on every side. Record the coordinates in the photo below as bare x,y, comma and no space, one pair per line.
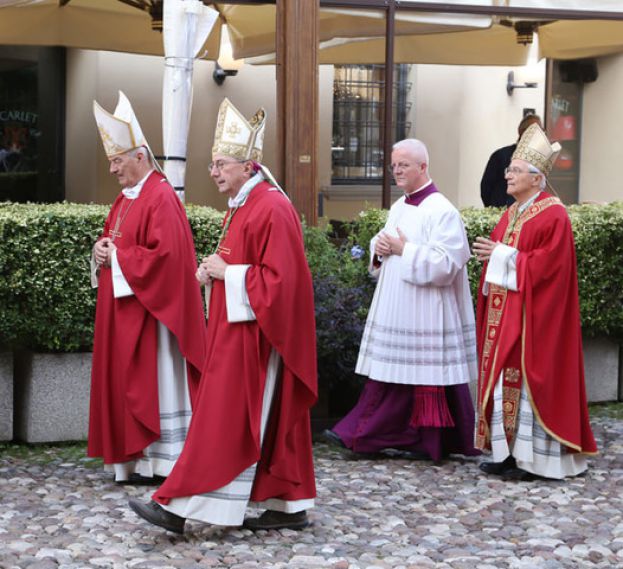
493,183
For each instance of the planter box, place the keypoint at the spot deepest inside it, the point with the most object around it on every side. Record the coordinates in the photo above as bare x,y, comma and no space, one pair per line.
6,396
601,368
52,396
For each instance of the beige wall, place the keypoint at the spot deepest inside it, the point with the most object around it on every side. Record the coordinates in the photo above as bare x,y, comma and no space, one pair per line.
464,114
602,120
99,75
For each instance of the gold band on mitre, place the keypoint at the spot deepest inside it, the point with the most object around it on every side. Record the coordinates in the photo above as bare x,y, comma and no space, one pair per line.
120,131
235,136
536,149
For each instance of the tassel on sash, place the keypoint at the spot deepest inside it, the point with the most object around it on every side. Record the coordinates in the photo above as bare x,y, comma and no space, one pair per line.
430,407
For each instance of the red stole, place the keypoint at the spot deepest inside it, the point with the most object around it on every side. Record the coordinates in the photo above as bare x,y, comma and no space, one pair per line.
156,253
224,435
534,334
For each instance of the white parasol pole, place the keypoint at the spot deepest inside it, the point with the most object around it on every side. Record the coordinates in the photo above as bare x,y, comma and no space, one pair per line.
186,26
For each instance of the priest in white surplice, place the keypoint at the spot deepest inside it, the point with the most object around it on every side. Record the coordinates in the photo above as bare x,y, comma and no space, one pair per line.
419,345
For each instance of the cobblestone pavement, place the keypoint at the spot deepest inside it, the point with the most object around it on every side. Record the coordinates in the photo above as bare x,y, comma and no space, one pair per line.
371,513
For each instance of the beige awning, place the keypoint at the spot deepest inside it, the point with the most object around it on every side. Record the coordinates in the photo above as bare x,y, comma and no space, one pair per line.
88,24
346,36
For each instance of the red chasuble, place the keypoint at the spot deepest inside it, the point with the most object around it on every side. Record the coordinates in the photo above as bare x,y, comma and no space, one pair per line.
224,435
157,257
534,334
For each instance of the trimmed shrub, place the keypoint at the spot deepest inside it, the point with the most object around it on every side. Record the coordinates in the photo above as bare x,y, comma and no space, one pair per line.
46,302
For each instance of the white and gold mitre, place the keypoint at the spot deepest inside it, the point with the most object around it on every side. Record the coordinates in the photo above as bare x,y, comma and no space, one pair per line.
536,149
237,137
120,131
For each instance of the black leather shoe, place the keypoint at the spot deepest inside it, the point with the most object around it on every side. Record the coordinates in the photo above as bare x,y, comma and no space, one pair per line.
271,519
519,475
498,468
140,480
332,438
155,514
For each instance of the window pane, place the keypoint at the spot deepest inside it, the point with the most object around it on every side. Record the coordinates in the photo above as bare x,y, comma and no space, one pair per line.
18,128
358,112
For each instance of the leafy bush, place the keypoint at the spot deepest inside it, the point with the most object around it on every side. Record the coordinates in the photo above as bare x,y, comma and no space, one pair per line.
46,302
598,234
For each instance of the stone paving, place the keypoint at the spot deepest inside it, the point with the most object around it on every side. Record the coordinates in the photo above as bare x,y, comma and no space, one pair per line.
371,513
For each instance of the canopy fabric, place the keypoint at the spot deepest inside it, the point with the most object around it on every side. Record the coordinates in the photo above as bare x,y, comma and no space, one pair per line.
573,39
346,35
89,24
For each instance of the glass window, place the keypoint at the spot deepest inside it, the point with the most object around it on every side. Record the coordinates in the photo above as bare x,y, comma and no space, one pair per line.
18,129
564,120
31,123
358,110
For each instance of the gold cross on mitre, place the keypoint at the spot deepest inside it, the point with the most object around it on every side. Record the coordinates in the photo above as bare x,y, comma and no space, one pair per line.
236,136
233,129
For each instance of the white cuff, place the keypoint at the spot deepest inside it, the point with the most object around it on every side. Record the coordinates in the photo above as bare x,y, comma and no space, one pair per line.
236,298
120,286
95,269
502,267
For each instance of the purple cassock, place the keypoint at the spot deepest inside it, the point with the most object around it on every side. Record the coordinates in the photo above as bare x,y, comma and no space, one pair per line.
386,415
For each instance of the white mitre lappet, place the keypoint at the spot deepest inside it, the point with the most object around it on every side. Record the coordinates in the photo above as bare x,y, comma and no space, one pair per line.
240,138
121,131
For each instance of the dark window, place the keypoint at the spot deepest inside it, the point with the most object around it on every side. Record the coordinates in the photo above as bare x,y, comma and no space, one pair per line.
358,110
32,101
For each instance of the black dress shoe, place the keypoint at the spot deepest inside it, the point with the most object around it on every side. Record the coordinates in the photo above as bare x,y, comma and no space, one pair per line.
155,514
332,438
520,475
271,519
498,468
140,480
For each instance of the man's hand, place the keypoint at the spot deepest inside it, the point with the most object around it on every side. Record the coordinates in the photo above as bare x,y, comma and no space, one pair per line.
212,267
102,251
387,245
202,272
483,248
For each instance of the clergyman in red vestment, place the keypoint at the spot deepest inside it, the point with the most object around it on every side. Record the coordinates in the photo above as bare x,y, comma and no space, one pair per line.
532,408
249,438
149,325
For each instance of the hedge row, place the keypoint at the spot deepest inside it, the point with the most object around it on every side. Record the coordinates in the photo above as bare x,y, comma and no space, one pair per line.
46,302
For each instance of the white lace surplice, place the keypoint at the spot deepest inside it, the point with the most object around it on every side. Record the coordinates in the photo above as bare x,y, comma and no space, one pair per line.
420,328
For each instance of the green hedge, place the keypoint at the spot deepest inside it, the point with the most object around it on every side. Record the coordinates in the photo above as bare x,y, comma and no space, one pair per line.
46,302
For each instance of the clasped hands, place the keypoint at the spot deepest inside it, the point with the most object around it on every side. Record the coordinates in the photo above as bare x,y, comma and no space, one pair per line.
212,267
102,251
483,248
388,245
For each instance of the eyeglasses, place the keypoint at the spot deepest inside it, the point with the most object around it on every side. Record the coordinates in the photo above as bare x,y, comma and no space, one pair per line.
220,164
516,171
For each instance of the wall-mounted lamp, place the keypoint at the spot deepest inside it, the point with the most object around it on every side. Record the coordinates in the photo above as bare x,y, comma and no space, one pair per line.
226,66
511,85
219,74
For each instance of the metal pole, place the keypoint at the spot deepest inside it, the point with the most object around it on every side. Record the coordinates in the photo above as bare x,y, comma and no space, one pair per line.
389,95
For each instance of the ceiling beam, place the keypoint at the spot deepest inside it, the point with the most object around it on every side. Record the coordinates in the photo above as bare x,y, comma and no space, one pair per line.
503,11
448,8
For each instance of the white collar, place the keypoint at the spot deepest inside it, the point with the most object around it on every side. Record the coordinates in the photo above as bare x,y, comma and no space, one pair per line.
243,193
529,202
133,192
430,181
